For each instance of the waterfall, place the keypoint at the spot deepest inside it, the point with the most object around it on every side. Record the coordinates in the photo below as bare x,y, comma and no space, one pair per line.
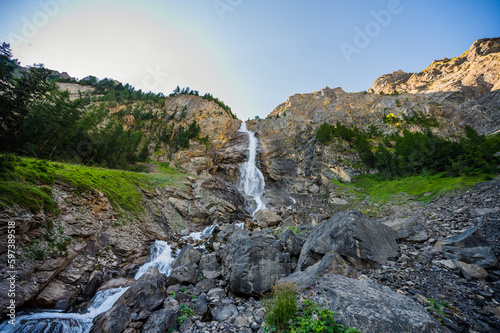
55,321
252,179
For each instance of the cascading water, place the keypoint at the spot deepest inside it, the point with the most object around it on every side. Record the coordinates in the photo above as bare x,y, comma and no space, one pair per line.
58,322
252,179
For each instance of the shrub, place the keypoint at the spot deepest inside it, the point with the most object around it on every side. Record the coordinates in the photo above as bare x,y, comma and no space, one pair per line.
282,307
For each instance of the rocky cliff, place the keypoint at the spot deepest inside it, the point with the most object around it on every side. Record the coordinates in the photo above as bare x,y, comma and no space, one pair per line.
457,92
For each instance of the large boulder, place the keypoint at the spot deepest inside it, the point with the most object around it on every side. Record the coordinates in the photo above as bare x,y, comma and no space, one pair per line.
184,274
408,229
252,265
114,320
291,242
331,263
187,255
137,303
373,308
471,248
364,242
161,321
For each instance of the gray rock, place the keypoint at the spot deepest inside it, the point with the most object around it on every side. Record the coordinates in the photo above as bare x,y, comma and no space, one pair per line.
224,312
138,302
186,325
225,232
471,271
161,321
331,263
471,248
291,243
408,229
206,285
215,294
251,265
115,319
373,308
210,266
187,255
146,294
184,274
364,242
201,304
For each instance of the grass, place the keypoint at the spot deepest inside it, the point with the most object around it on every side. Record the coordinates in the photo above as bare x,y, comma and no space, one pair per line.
423,188
369,193
28,182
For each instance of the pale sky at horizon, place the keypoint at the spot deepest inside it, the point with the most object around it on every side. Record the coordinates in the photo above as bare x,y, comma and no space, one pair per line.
252,55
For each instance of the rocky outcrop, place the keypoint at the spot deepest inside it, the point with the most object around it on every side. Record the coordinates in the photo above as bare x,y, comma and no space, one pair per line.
359,239
466,86
470,248
252,264
373,308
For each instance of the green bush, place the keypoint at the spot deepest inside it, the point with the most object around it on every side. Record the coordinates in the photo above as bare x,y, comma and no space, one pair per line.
282,307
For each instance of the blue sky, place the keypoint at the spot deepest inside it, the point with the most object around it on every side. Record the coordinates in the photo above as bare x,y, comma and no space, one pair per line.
252,54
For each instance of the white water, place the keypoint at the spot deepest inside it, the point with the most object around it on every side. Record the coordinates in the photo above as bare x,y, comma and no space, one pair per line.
294,202
58,322
252,179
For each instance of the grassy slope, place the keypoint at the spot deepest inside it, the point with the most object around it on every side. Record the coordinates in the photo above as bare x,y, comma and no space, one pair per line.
27,182
367,192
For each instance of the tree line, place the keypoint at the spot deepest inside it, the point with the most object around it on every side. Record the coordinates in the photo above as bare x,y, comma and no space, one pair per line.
408,153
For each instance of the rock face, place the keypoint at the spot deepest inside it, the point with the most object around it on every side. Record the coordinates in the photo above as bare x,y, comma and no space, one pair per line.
463,85
373,308
470,248
362,241
251,264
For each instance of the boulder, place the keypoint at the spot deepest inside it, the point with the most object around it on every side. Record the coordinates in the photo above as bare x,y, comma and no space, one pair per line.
114,320
56,294
266,218
224,312
471,248
331,263
408,229
252,265
373,308
161,321
291,243
362,241
224,234
184,274
187,255
209,265
138,302
471,271
120,282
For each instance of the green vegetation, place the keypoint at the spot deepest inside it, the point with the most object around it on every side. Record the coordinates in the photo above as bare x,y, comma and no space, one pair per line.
282,307
26,182
285,314
437,308
416,153
207,96
185,312
315,319
423,187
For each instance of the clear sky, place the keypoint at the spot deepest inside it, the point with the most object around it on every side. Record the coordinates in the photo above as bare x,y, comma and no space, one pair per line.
252,54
